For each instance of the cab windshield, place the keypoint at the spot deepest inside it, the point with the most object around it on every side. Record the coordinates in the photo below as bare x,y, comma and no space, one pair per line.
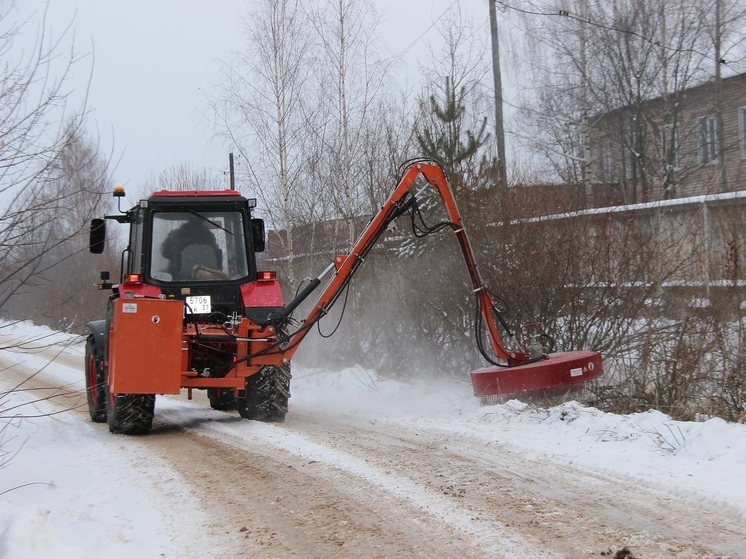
198,246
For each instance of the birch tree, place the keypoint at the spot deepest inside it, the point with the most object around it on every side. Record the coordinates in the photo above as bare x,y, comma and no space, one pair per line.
260,113
351,79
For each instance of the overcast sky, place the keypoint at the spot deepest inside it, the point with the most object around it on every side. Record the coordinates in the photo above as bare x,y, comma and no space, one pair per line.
153,64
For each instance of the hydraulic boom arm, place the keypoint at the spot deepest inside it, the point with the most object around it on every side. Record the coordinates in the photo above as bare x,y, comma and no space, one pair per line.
398,203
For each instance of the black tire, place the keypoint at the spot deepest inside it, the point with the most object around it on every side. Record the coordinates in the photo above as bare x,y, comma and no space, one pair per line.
267,394
95,383
222,399
131,414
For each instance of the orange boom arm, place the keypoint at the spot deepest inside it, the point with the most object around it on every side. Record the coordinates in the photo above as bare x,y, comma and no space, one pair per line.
397,204
512,372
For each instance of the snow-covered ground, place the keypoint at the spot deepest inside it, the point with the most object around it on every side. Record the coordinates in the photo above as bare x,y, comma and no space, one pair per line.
69,489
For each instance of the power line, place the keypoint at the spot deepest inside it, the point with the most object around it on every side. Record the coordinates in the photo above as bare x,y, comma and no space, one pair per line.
588,21
421,35
423,78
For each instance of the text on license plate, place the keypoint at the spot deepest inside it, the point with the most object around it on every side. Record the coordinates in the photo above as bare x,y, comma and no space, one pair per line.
198,304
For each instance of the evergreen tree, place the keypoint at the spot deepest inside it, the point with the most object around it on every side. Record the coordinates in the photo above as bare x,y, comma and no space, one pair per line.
444,139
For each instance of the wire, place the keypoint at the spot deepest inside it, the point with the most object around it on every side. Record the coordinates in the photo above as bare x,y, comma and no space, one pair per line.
421,35
425,229
589,21
478,329
341,316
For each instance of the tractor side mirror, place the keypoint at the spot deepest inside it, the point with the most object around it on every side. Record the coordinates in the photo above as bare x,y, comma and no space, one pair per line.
258,235
97,239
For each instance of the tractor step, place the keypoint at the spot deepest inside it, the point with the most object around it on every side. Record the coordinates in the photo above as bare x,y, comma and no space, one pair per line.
557,374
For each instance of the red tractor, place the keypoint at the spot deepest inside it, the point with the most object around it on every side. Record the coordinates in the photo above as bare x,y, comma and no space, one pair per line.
191,310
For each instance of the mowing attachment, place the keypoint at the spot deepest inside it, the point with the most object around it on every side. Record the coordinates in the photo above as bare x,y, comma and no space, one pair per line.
556,375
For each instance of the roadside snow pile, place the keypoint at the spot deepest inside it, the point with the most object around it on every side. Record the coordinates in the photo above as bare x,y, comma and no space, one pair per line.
695,460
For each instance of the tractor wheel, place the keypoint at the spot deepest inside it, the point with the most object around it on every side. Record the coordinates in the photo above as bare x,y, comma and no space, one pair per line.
222,399
128,414
267,394
131,414
95,386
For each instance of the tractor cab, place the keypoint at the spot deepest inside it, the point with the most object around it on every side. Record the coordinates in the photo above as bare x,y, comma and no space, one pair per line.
198,246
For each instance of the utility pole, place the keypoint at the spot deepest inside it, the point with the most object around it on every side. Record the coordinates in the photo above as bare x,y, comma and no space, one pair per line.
232,172
719,133
499,130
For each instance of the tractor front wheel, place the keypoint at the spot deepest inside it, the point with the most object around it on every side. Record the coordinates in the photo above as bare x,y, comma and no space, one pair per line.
222,399
95,386
267,394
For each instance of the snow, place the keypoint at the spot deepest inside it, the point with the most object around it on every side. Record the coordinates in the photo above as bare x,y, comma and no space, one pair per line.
68,489
64,491
694,460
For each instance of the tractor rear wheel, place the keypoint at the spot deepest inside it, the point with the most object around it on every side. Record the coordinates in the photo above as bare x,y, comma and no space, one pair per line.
131,414
128,414
222,399
95,386
267,394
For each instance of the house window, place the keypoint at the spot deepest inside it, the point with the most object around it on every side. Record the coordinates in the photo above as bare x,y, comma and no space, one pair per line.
742,130
707,140
670,147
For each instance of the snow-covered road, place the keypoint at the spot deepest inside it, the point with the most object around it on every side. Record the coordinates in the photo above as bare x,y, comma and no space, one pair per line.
361,468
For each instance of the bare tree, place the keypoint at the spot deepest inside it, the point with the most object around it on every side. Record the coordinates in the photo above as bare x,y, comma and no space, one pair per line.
593,58
53,242
723,21
260,112
186,177
50,177
350,81
388,141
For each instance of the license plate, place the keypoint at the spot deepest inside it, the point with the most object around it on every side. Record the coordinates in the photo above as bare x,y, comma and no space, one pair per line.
198,304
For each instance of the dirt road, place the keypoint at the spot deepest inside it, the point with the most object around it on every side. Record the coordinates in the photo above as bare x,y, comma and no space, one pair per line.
340,486
345,489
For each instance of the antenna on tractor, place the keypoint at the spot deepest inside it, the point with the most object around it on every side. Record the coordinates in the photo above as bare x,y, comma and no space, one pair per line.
233,175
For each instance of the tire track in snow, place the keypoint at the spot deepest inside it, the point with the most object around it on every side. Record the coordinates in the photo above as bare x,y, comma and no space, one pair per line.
493,499
569,509
422,519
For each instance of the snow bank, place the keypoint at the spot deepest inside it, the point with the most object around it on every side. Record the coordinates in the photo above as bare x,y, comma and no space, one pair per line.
698,461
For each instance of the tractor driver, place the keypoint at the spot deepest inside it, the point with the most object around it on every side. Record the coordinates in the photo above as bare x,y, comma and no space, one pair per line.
193,232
